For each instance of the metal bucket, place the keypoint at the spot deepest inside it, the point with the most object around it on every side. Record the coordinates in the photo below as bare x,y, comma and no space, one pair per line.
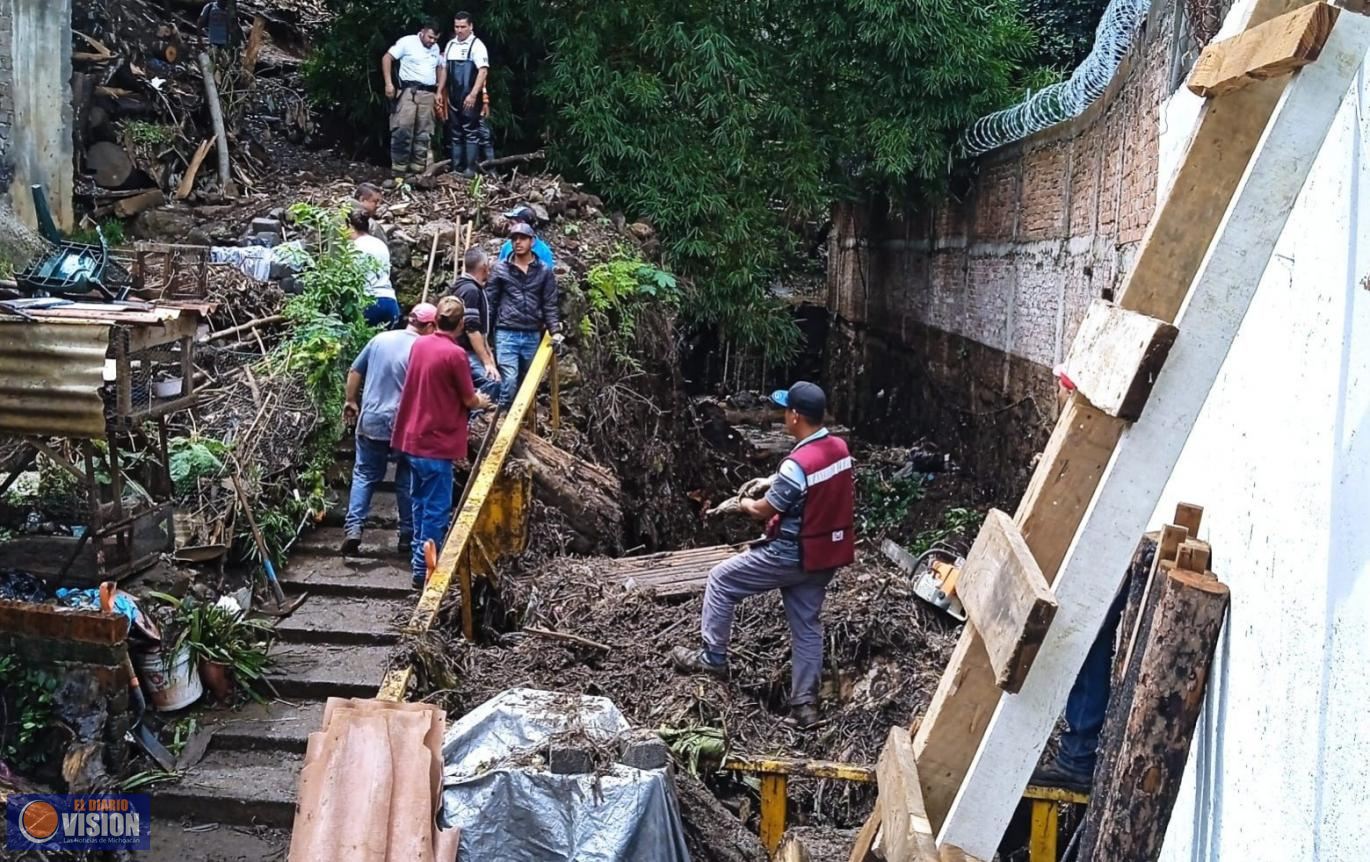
169,682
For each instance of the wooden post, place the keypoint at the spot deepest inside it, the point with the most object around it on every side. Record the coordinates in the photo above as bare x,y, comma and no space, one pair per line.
1145,454
773,792
216,116
1129,812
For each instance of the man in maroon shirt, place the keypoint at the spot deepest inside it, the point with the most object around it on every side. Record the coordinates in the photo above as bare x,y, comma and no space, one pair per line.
430,425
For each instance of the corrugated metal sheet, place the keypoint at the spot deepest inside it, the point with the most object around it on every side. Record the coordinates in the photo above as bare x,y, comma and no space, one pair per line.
50,378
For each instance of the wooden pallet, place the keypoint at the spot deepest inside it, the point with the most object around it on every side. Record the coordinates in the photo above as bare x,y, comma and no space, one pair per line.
670,573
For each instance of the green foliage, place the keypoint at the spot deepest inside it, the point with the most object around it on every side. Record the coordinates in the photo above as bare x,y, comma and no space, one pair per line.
194,458
217,634
1066,29
884,504
956,523
112,228
26,712
143,133
618,291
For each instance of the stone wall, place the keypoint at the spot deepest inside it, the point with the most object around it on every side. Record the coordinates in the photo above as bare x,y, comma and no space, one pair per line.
36,105
6,89
947,322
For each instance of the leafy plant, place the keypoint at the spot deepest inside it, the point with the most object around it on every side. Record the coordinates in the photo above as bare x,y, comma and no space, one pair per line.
618,290
214,633
26,711
112,228
194,458
957,522
884,504
143,133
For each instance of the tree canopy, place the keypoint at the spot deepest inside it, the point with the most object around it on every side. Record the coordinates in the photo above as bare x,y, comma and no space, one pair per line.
726,122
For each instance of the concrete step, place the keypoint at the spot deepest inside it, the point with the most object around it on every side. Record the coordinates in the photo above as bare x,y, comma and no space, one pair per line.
213,842
275,726
325,541
346,620
316,671
239,788
384,513
332,575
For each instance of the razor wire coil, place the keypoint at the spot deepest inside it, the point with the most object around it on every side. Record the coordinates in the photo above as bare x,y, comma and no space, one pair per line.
1066,99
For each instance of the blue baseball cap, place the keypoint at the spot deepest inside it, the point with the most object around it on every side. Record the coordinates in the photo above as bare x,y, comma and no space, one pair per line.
805,398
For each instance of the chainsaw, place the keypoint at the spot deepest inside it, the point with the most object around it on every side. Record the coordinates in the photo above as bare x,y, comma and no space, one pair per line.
934,574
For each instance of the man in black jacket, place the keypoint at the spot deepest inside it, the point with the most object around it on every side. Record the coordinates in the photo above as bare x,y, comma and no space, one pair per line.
523,304
475,337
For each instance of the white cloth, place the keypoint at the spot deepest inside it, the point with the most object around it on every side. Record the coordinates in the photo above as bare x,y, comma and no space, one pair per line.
378,273
472,48
418,64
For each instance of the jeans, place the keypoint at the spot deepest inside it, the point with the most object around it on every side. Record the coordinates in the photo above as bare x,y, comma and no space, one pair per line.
382,310
483,384
1087,703
369,471
431,490
750,573
514,351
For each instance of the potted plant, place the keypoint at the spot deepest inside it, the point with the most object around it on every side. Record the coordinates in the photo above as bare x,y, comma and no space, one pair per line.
230,649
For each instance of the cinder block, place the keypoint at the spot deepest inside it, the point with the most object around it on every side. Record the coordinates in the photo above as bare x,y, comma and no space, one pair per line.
645,751
570,761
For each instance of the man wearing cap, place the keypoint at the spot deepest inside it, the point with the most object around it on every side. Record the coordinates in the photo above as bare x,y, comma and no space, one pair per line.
524,213
523,304
374,384
414,99
808,509
430,426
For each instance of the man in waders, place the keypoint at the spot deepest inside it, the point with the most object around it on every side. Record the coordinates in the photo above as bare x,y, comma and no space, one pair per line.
461,79
414,99
808,509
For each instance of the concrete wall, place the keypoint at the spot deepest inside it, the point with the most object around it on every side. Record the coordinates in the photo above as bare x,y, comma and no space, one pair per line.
949,320
35,104
1281,461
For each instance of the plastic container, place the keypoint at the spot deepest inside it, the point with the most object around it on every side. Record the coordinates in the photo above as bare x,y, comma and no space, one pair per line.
167,388
169,682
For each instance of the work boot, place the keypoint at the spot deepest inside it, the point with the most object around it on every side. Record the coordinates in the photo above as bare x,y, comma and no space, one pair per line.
805,716
350,546
1056,775
688,660
418,167
471,160
405,543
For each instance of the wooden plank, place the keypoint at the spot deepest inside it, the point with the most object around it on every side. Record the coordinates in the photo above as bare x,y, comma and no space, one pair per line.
1171,539
1127,495
1065,479
1193,556
187,184
773,802
1006,598
906,834
865,839
1189,516
1115,357
801,768
1277,47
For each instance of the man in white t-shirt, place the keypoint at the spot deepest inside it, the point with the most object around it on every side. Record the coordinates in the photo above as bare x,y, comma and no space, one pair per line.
460,83
413,98
384,307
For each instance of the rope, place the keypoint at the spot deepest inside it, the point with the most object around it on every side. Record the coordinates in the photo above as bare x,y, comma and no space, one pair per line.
1067,99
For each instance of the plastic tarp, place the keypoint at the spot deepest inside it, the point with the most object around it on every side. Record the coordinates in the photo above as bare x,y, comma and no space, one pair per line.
509,807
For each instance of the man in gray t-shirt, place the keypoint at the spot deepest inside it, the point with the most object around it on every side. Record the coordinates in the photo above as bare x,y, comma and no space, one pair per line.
374,385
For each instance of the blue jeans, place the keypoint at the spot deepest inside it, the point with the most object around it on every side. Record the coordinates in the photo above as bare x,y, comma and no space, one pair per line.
383,310
514,351
369,471
430,488
1087,703
483,383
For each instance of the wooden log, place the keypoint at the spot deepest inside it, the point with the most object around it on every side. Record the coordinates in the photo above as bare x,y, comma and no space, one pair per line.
906,834
110,164
1006,598
1128,815
1116,356
254,44
1277,47
130,207
586,494
216,116
187,184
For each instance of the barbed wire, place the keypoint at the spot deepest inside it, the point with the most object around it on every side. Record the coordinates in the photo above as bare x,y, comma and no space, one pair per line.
1067,99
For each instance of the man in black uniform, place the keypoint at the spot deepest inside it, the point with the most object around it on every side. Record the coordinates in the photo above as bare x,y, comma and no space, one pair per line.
460,82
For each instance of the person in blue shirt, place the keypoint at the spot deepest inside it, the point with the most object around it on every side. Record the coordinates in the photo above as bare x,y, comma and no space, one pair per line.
541,250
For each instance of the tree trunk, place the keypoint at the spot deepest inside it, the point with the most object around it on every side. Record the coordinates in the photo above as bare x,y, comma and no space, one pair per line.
1127,818
586,494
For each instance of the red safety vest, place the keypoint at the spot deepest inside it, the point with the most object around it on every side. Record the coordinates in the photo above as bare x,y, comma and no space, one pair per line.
826,535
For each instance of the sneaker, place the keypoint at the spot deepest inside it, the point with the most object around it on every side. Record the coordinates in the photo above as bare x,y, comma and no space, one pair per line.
805,716
688,660
1056,775
350,546
405,543
416,583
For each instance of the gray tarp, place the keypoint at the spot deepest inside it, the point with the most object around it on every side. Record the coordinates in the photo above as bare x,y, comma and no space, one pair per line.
511,809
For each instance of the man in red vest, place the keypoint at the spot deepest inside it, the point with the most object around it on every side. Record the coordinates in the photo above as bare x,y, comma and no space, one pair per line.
808,512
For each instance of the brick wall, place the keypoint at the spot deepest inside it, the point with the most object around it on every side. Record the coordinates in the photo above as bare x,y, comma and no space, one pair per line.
6,87
948,321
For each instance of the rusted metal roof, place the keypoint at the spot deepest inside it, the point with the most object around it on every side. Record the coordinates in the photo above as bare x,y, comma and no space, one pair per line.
50,378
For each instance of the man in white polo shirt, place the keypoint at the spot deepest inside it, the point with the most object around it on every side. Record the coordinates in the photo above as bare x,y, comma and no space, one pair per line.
413,98
461,80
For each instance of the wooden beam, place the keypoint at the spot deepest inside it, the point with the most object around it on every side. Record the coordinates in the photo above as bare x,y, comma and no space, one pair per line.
1006,598
1189,516
1194,556
1115,357
1140,467
906,834
865,839
1277,47
1082,443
